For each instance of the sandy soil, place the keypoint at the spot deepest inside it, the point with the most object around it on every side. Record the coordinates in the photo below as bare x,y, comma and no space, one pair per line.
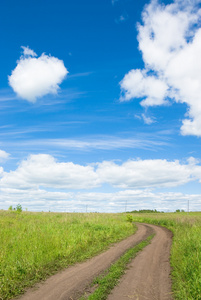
72,282
148,275
146,278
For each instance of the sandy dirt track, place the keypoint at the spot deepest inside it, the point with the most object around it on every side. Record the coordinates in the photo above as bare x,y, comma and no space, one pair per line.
147,277
71,283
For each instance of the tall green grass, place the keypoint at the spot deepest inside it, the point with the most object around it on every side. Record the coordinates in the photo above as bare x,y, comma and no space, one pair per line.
35,245
185,252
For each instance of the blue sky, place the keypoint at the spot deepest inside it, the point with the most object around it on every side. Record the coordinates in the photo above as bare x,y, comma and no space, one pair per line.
100,105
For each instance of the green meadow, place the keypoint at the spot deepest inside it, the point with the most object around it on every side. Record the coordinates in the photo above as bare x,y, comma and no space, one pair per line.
185,252
36,245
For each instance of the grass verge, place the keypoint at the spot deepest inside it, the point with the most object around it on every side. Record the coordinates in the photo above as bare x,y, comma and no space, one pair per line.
35,245
110,278
185,252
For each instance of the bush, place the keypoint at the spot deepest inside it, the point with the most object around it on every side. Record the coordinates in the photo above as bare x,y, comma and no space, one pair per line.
19,208
129,218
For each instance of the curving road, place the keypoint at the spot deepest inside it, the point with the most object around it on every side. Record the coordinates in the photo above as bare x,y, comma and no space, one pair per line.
147,277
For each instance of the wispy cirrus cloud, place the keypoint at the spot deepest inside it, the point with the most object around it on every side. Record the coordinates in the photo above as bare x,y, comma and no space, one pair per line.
147,120
84,143
77,75
7,95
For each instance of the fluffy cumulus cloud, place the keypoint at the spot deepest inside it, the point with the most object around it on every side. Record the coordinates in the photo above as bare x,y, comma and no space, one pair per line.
35,77
42,183
146,173
137,84
44,171
170,42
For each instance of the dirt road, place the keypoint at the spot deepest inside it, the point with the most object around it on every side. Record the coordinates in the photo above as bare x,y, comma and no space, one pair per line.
148,275
71,283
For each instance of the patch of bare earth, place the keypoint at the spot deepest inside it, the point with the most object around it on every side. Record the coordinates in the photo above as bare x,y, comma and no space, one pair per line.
147,277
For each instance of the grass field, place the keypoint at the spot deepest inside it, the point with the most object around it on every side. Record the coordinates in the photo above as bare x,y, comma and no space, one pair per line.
36,245
185,253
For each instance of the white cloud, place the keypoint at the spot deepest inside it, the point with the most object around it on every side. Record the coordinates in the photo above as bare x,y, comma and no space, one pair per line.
122,18
147,120
42,183
28,52
146,173
38,200
100,142
170,43
137,84
43,170
35,77
1,172
3,155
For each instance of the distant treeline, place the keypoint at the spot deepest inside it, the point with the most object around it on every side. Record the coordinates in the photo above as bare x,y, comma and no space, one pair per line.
145,211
